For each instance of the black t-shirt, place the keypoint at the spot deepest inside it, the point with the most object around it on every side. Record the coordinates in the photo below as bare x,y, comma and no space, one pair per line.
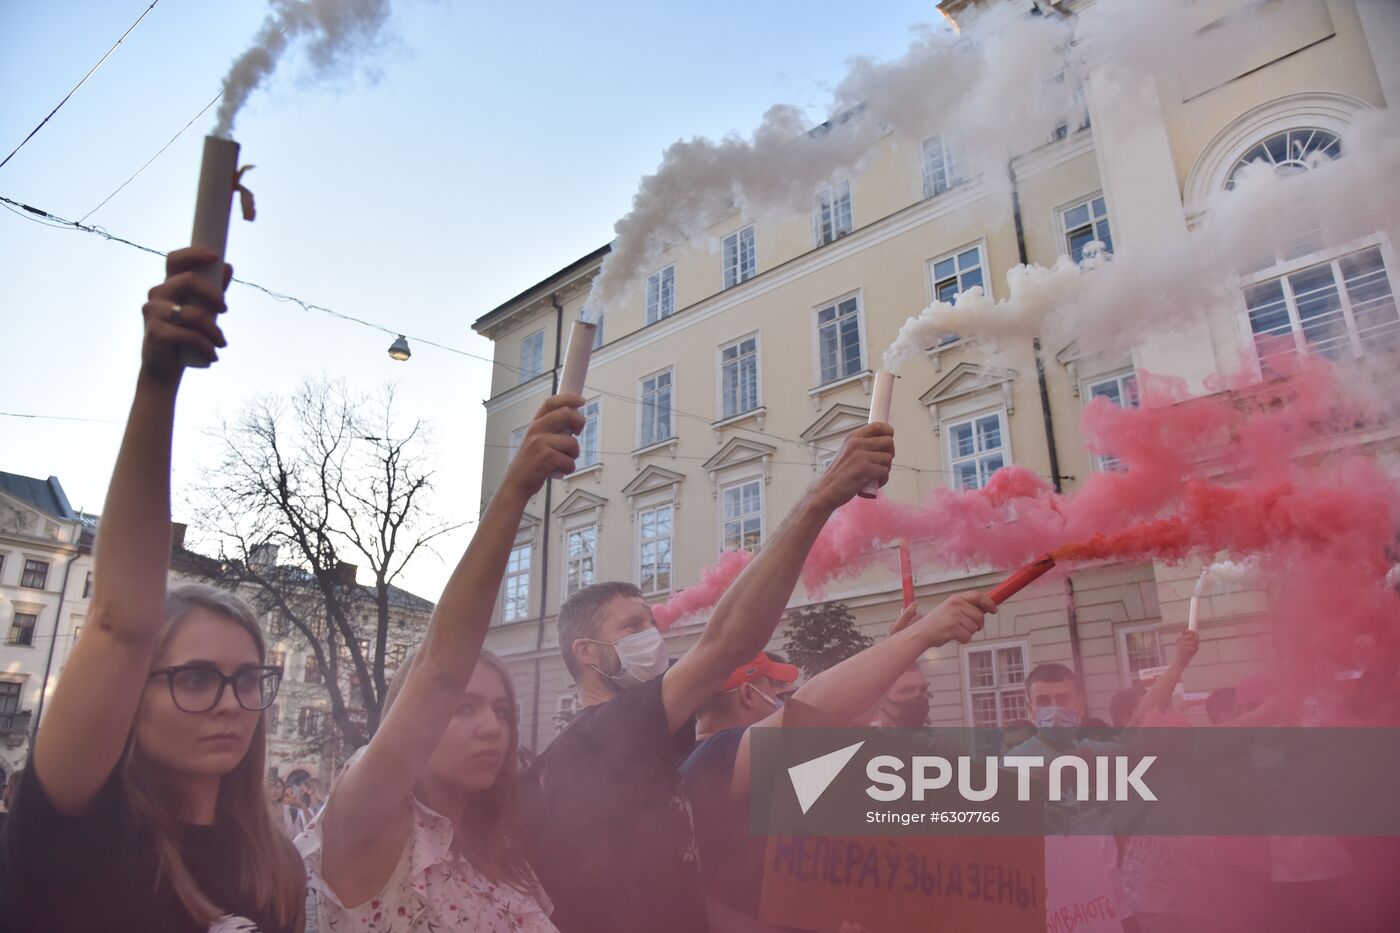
98,872
731,857
606,828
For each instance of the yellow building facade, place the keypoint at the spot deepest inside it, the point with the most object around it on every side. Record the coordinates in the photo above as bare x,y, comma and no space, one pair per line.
717,391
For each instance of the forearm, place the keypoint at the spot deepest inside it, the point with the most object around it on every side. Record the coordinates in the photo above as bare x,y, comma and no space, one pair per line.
463,613
750,609
856,684
1157,695
132,554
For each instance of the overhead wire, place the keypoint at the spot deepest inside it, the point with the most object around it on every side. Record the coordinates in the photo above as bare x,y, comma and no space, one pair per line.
59,105
63,223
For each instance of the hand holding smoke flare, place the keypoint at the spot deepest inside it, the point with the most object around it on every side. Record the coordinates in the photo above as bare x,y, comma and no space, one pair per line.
1225,571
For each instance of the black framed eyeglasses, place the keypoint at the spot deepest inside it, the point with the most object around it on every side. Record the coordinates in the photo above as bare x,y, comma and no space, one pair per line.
198,688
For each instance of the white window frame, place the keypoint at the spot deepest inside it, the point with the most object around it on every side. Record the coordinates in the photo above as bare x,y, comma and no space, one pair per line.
1062,215
929,275
724,412
565,703
946,431
570,560
738,237
643,541
1020,686
1127,678
530,368
951,175
829,222
642,440
756,479
661,283
861,364
521,576
1284,269
593,445
1107,462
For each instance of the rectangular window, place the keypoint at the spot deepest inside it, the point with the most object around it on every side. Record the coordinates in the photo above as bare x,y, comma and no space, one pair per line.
36,574
995,684
515,603
654,539
600,320
589,454
1141,650
838,340
309,722
740,258
661,294
976,450
580,547
565,711
277,659
1085,223
310,672
87,585
9,705
274,719
832,216
656,409
955,273
397,652
22,629
940,171
1121,390
532,356
738,377
1338,308
742,516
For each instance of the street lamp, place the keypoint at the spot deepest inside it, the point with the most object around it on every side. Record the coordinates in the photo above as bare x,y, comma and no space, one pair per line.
399,349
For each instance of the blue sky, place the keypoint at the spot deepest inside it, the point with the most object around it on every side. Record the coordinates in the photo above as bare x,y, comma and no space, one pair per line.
498,143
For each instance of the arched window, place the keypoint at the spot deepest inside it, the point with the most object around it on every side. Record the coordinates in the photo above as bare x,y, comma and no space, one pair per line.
1289,152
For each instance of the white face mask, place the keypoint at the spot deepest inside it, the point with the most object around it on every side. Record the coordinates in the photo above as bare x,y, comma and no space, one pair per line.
641,655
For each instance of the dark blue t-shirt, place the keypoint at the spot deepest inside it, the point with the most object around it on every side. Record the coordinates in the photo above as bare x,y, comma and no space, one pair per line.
731,857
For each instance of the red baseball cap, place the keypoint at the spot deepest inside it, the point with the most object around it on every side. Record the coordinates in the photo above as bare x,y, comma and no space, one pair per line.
761,666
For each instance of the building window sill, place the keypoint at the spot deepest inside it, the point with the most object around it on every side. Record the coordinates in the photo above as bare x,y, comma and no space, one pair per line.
865,377
758,415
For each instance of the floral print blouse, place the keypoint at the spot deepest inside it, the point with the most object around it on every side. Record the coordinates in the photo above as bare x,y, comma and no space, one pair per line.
433,888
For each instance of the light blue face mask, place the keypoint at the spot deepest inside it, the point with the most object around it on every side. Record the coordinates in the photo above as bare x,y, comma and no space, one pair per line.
1056,723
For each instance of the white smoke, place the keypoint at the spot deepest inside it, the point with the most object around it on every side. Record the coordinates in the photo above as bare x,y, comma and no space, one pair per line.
996,90
1108,304
337,31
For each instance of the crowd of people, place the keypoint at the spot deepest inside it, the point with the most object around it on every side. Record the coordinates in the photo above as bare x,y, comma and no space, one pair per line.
145,804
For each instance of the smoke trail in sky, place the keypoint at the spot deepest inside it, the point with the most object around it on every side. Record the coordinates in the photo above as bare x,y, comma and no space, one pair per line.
336,33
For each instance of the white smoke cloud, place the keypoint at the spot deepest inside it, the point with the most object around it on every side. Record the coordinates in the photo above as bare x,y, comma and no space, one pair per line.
989,93
337,31
1109,304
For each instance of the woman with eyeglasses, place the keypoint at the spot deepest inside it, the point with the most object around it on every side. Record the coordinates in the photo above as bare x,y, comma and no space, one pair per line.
419,833
145,804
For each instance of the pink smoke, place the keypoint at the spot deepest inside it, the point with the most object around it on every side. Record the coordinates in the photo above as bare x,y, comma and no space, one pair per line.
1247,471
714,580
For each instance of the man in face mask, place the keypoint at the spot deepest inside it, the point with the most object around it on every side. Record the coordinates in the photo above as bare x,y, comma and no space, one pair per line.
605,828
716,775
905,705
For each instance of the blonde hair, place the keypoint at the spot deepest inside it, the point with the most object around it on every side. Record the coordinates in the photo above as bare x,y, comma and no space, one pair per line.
270,872
494,849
